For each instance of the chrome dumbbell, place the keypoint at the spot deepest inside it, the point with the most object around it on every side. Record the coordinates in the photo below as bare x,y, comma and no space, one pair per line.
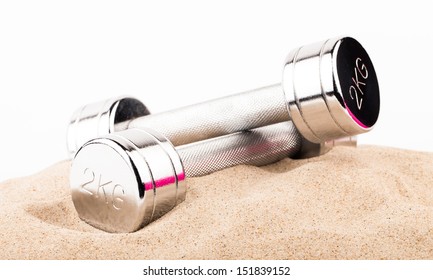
329,90
125,180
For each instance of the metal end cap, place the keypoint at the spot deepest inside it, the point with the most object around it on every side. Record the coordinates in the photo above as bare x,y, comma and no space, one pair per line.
125,180
331,89
101,118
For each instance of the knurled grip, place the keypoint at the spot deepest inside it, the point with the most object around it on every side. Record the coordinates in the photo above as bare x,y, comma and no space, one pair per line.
217,117
257,147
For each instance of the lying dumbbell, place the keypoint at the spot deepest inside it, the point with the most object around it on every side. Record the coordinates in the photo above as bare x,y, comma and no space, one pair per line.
127,179
329,90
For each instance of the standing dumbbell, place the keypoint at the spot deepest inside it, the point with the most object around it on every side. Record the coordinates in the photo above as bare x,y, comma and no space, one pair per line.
127,179
329,90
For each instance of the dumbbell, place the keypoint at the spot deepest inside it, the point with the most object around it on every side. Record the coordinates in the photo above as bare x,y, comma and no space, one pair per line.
125,180
329,90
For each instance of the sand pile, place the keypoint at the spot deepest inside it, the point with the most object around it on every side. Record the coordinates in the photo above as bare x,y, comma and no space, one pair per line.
363,203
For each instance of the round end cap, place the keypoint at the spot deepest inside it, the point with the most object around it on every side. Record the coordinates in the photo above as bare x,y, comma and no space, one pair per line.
331,89
124,181
101,118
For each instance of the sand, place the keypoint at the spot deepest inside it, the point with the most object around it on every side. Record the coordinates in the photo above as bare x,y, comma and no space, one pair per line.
364,203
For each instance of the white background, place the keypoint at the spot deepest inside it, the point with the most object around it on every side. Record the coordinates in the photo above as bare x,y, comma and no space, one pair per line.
56,56
299,270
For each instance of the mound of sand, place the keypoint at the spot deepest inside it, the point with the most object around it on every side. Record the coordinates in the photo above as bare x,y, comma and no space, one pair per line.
363,203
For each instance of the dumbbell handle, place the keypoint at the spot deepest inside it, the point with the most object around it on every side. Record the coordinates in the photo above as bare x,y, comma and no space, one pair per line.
222,116
256,147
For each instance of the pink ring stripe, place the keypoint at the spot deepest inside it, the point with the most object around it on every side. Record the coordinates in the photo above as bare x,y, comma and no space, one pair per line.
355,118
